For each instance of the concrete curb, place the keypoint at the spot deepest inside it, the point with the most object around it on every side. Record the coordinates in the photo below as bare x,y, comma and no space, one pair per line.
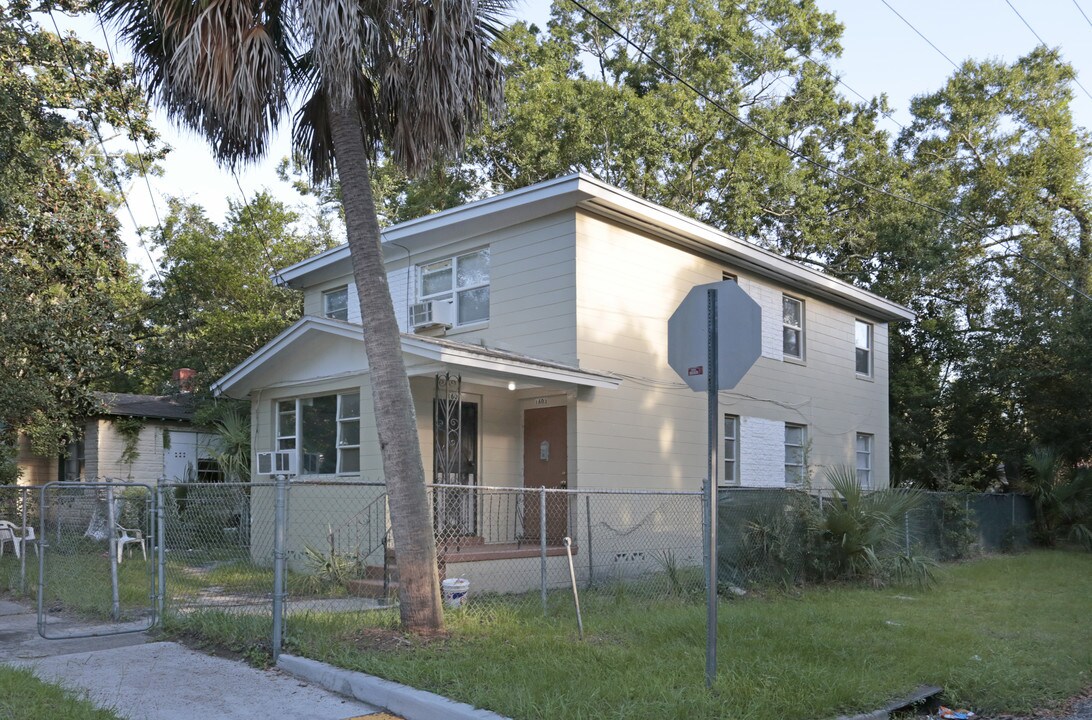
410,703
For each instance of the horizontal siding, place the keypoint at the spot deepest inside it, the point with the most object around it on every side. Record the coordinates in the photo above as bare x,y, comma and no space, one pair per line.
651,432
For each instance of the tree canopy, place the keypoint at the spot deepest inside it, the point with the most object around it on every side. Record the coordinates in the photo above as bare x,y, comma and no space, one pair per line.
66,292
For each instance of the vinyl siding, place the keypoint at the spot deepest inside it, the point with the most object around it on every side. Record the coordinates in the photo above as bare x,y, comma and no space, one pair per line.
651,432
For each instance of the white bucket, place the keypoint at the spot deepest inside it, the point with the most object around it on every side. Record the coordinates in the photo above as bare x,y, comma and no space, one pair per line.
455,590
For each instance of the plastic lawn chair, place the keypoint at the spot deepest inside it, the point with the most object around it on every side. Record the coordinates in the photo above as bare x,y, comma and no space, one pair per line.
12,533
128,536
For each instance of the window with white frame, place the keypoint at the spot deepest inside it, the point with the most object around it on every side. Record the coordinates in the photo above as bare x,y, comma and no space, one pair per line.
864,460
324,430
792,327
796,440
335,303
862,333
463,279
731,450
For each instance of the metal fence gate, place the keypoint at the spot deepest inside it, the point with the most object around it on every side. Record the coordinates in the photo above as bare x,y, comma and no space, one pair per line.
96,559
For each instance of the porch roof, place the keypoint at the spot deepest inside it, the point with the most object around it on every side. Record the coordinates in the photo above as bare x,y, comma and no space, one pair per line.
316,348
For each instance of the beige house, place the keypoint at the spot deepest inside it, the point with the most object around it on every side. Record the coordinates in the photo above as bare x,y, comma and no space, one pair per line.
544,311
132,438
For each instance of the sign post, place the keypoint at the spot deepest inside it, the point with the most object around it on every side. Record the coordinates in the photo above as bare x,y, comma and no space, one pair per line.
714,337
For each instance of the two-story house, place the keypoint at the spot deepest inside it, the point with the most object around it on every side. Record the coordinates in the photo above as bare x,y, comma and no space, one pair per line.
544,310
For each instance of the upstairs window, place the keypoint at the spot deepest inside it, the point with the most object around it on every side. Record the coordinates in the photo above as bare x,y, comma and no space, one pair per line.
862,333
463,279
792,327
335,303
324,430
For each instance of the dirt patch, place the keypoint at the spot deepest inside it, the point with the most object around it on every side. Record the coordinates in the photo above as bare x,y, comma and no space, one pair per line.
388,640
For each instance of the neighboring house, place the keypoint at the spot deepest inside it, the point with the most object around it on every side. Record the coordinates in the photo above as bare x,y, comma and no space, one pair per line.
136,438
548,307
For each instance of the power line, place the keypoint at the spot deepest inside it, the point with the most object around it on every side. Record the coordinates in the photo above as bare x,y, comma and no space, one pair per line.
1082,13
815,163
816,63
1044,43
911,26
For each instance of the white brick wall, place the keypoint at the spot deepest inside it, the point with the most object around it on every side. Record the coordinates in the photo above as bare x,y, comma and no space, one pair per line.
761,452
769,299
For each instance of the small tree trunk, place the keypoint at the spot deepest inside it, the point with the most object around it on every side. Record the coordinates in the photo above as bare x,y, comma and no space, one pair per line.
411,521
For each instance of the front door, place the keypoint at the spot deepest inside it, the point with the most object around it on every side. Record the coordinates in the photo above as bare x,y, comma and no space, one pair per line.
545,464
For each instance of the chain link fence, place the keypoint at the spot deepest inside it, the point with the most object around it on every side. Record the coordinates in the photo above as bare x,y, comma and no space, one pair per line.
498,549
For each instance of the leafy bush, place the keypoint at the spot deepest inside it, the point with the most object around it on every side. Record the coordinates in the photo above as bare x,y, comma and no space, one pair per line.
857,534
1062,497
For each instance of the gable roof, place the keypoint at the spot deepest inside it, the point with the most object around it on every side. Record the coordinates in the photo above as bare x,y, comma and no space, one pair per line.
486,363
157,407
581,191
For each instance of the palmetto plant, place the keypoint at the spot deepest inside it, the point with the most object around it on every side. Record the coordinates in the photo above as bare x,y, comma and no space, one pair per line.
410,78
858,531
1062,499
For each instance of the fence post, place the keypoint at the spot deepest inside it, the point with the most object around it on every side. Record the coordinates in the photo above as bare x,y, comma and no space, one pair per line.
23,557
111,520
591,563
161,549
542,541
906,527
279,532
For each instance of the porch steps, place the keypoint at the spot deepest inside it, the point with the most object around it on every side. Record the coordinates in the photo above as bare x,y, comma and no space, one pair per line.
371,585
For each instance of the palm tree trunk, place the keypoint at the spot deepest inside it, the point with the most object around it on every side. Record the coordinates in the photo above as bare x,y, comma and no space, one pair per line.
411,521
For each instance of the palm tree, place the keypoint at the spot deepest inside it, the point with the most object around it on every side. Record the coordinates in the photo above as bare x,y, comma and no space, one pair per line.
410,77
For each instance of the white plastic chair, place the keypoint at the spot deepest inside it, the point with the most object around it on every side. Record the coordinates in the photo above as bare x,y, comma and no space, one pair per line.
11,533
128,536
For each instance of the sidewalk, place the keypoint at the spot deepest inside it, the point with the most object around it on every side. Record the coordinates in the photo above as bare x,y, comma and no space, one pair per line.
143,680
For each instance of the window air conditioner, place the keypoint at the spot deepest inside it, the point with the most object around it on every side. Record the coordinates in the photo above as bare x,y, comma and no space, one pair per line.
432,313
280,462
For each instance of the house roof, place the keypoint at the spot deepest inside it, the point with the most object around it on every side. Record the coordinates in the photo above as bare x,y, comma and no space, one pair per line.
429,355
158,407
592,195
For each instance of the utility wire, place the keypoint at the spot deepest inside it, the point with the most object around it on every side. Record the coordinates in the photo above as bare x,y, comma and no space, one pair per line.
816,63
823,166
1044,43
1083,13
911,26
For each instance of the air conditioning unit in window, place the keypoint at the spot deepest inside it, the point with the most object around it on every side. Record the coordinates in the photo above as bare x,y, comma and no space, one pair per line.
432,314
280,462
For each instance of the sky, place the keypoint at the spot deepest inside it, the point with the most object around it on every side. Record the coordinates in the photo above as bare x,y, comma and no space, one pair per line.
882,54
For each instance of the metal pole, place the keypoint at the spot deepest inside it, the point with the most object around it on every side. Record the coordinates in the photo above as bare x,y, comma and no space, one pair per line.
711,509
23,542
115,605
161,548
43,543
279,555
591,563
542,541
572,579
906,526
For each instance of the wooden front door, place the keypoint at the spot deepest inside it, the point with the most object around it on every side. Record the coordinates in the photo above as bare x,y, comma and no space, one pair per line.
545,464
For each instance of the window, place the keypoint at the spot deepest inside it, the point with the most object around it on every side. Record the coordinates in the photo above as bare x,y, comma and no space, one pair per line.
731,450
792,326
863,340
325,430
864,460
464,279
335,303
796,437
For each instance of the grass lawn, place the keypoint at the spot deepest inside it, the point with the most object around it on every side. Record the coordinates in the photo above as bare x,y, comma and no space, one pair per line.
25,697
1009,633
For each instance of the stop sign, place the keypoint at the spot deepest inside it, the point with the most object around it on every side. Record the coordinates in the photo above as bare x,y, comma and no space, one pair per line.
739,335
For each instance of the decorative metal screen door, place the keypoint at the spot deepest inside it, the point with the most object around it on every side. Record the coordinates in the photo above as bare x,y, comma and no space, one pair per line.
455,461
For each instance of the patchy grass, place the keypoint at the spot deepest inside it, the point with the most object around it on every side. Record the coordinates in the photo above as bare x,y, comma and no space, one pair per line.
25,697
1000,634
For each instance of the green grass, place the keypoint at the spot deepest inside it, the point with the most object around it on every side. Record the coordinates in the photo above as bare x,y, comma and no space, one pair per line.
25,697
1007,633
